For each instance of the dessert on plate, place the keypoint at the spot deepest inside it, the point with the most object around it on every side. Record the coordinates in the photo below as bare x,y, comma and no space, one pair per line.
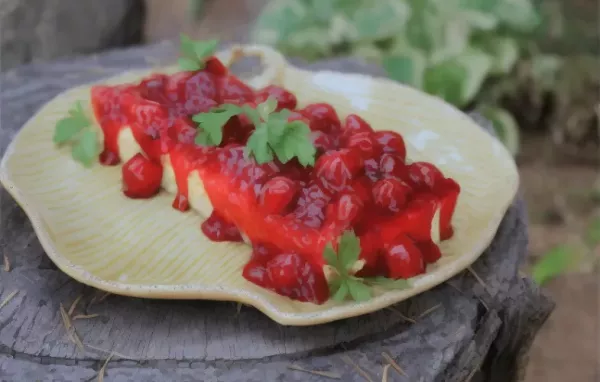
330,207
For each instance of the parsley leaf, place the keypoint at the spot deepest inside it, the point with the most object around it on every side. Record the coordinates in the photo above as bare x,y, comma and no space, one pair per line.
273,135
76,129
211,124
258,145
86,148
284,139
358,290
345,284
349,249
194,53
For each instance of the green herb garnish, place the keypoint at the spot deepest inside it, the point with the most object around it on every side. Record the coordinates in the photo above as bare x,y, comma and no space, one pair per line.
77,129
273,136
344,283
194,53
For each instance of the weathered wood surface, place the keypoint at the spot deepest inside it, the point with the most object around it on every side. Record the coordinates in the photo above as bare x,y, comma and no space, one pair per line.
479,329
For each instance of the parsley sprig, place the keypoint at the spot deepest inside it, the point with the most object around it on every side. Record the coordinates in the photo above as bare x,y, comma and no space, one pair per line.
273,136
344,283
194,53
77,129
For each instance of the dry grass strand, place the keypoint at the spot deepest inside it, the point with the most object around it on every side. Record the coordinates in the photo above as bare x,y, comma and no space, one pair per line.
358,369
428,311
479,279
74,305
320,373
6,263
8,298
84,316
384,374
103,368
65,318
393,363
404,317
114,353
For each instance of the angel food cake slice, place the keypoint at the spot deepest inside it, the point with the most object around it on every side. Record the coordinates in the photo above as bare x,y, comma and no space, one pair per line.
329,206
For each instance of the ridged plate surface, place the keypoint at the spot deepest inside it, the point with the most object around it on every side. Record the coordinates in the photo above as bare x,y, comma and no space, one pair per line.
145,248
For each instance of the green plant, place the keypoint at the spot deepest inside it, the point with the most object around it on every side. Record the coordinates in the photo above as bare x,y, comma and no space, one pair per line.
448,48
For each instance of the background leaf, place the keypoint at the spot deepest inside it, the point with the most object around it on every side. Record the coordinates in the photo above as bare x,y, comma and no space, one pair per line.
407,68
505,125
504,50
555,262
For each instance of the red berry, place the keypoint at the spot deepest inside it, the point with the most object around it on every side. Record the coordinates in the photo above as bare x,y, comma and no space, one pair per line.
215,67
141,177
217,228
257,274
348,208
354,124
322,117
295,116
424,176
391,142
263,252
277,194
285,99
403,258
392,165
431,252
390,194
362,143
321,141
335,169
283,270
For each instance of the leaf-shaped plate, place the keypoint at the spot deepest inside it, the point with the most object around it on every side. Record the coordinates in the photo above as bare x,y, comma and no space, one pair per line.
145,248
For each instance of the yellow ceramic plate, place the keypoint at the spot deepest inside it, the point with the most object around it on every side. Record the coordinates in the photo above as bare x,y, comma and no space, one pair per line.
145,248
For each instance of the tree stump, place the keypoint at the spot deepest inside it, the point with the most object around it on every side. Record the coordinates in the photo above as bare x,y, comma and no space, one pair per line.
477,326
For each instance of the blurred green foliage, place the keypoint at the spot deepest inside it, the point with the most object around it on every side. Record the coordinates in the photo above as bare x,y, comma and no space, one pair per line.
454,49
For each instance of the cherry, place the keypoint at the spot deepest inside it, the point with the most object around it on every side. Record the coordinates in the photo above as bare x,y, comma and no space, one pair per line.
362,143
348,208
285,99
322,117
277,194
218,229
283,270
354,124
321,141
335,169
424,176
263,252
390,194
392,165
141,177
391,142
257,274
403,258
